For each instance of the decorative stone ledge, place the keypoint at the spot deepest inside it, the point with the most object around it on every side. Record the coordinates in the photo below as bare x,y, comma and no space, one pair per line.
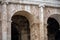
46,3
50,3
41,5
25,2
20,2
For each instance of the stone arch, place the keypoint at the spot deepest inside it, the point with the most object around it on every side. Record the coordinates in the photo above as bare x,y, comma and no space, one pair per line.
34,26
53,26
15,11
56,16
26,15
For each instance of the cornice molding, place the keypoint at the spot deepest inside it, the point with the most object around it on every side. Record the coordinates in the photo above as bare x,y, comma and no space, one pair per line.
41,5
21,2
51,3
45,3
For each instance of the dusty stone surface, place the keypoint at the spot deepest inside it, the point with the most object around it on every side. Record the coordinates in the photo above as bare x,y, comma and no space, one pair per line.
50,12
0,24
33,13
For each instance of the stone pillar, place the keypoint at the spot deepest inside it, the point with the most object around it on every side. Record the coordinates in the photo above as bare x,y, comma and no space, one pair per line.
34,31
45,29
4,21
9,30
0,27
41,18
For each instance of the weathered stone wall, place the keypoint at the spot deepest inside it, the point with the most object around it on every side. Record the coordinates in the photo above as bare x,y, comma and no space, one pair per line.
34,13
32,10
49,12
30,0
0,23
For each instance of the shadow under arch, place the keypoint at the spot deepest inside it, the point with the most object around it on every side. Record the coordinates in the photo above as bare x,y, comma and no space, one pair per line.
21,21
27,14
53,27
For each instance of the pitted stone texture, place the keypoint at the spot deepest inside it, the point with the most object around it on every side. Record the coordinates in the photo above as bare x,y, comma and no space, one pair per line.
49,12
0,30
32,10
0,24
35,31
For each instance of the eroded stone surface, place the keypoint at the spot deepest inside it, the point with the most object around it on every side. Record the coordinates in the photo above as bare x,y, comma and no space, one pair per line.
33,14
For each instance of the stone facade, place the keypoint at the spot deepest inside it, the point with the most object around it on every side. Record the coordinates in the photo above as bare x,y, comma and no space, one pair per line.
36,13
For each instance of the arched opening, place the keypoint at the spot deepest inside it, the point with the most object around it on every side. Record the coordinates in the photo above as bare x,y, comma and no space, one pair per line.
53,29
20,29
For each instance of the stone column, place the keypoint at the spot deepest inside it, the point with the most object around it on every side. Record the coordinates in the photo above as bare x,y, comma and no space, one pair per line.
0,27
4,21
41,18
45,29
34,31
9,30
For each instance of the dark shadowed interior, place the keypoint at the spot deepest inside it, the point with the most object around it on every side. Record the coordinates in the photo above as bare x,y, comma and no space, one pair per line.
53,29
20,28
